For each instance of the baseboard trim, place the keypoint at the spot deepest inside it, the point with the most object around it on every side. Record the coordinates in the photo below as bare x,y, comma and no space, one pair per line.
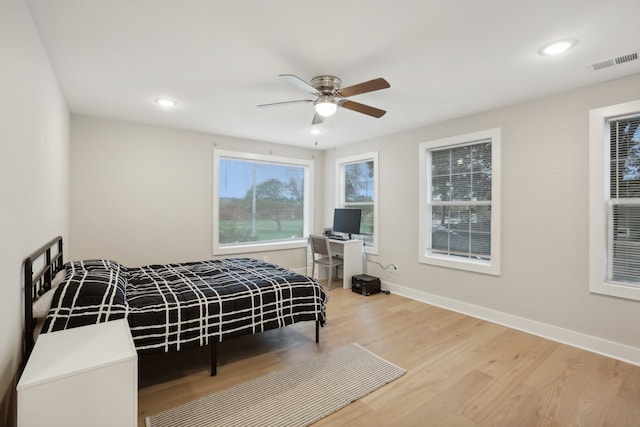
300,270
597,345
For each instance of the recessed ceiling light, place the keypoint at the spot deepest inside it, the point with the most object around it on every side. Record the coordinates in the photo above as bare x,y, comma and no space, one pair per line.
314,131
167,103
557,47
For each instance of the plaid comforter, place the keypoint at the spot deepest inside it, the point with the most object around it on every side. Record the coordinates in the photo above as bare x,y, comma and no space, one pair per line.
175,306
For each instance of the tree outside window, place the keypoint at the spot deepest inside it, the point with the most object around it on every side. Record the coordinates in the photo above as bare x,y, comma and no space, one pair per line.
260,200
357,190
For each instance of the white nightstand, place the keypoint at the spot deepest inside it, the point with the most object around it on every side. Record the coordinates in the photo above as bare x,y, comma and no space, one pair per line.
85,376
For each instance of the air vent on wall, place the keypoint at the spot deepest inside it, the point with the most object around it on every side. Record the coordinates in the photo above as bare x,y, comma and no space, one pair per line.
612,62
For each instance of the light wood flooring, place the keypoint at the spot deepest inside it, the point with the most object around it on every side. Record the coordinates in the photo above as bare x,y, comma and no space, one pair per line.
461,371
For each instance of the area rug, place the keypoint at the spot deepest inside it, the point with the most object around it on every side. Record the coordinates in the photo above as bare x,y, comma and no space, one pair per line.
297,395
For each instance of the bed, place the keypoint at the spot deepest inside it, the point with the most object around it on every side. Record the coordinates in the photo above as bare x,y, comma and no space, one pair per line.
169,307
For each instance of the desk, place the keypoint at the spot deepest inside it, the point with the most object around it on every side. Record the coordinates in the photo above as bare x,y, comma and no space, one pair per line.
351,251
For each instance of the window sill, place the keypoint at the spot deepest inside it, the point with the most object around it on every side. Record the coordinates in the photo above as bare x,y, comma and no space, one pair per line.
484,267
259,247
616,290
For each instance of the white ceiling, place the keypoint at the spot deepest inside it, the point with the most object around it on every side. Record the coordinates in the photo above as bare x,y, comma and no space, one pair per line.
219,59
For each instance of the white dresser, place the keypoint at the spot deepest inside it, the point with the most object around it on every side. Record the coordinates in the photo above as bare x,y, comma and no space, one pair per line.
85,376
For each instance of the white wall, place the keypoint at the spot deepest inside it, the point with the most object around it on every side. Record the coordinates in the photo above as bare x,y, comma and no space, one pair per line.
34,153
143,194
544,284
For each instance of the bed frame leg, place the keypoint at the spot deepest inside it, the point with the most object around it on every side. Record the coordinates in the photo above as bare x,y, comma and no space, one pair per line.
214,358
317,331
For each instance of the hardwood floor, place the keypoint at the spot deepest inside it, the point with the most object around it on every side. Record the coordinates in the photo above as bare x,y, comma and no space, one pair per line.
461,371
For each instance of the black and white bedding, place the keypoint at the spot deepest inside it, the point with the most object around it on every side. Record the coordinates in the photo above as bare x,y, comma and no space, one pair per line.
175,306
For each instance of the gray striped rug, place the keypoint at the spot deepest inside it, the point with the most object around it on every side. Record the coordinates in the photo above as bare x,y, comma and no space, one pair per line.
297,395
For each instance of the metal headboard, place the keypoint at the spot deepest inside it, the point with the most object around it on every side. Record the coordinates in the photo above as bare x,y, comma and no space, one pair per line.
37,283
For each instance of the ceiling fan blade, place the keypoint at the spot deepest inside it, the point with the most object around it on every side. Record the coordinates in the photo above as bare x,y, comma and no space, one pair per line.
370,86
297,81
364,109
276,104
317,119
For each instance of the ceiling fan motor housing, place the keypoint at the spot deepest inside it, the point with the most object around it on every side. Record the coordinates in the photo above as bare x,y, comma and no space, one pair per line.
326,84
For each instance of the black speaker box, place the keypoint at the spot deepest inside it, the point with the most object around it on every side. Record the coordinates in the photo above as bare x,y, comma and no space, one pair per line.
365,284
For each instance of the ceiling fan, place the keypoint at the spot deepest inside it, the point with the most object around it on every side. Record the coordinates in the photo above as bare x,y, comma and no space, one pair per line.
329,96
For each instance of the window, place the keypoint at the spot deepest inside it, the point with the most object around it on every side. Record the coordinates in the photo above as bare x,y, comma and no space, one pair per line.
260,202
614,238
358,188
459,202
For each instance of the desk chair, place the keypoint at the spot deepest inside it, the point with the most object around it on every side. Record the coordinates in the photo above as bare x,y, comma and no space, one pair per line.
321,248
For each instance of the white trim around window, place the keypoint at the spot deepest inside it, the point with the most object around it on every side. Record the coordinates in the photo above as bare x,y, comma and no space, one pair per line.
600,202
371,246
490,264
239,248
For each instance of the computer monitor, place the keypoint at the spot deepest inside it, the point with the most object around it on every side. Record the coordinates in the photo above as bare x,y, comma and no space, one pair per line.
347,221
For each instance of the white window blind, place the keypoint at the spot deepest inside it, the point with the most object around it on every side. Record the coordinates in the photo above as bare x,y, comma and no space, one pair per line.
459,195
460,202
623,222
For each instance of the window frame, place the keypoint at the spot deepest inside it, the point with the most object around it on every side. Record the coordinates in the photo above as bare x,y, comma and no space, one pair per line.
599,200
227,249
425,255
340,190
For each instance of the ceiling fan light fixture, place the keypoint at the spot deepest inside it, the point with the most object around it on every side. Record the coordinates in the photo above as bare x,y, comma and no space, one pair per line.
326,106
